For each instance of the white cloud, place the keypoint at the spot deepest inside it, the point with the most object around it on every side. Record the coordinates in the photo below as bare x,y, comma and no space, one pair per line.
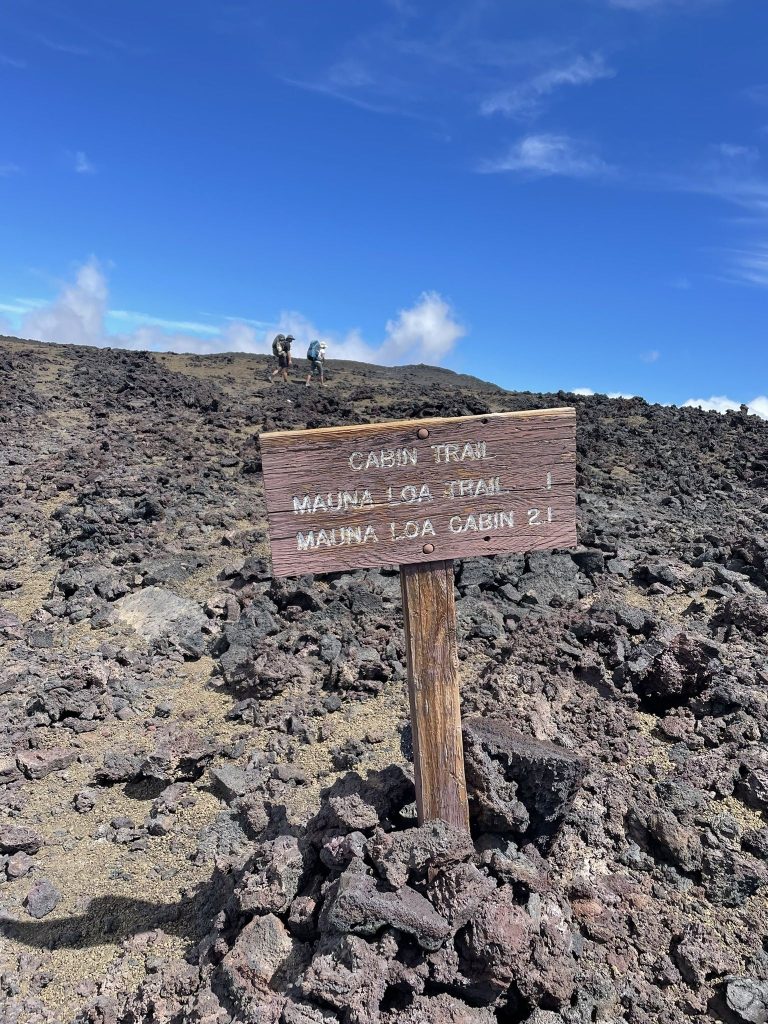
717,403
12,62
81,163
549,155
650,357
588,392
7,169
232,338
525,99
427,331
721,403
350,345
76,317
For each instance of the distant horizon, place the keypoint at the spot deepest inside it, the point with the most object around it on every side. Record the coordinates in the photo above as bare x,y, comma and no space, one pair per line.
718,404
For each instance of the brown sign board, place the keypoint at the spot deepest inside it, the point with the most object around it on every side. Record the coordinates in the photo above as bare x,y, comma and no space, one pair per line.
413,491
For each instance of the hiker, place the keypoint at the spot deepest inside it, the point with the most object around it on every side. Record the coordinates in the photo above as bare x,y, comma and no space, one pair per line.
316,357
278,348
281,348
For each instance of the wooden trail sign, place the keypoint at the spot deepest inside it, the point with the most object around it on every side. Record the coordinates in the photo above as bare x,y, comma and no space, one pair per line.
418,493
419,490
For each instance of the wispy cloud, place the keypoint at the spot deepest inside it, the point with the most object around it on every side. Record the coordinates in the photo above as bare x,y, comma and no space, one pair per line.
81,164
327,88
81,37
12,62
426,331
652,356
404,7
8,169
403,65
526,99
748,266
266,324
547,155
146,319
722,404
73,49
736,174
729,171
363,82
733,153
660,5
350,74
21,306
758,94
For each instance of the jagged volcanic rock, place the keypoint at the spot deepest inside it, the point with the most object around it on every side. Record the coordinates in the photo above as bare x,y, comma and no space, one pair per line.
204,773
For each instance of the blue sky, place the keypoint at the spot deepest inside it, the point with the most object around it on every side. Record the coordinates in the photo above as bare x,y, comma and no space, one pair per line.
549,194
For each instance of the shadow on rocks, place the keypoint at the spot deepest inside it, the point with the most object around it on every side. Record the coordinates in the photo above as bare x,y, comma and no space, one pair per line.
114,918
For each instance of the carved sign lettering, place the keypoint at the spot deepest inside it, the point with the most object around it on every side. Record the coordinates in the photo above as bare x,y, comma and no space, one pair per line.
414,491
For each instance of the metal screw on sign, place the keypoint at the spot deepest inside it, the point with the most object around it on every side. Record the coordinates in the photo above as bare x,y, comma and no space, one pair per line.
475,485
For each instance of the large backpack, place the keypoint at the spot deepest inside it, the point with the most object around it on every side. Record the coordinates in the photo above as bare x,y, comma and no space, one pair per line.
277,345
314,350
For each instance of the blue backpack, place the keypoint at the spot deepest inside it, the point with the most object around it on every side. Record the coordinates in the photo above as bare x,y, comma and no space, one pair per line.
314,350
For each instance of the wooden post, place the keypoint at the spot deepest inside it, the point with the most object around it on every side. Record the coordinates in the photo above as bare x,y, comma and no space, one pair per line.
433,689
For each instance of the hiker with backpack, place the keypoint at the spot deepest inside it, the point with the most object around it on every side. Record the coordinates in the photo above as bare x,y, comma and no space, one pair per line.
316,357
278,347
281,349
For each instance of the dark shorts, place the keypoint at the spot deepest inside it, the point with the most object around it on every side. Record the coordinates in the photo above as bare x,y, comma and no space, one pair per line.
316,367
283,360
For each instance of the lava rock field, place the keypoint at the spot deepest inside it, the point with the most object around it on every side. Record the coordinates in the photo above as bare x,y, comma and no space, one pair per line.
206,799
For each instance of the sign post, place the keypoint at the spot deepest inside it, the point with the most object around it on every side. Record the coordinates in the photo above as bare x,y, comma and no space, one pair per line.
433,692
418,493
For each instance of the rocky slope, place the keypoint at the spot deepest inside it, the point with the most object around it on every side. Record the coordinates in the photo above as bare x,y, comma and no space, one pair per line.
206,803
